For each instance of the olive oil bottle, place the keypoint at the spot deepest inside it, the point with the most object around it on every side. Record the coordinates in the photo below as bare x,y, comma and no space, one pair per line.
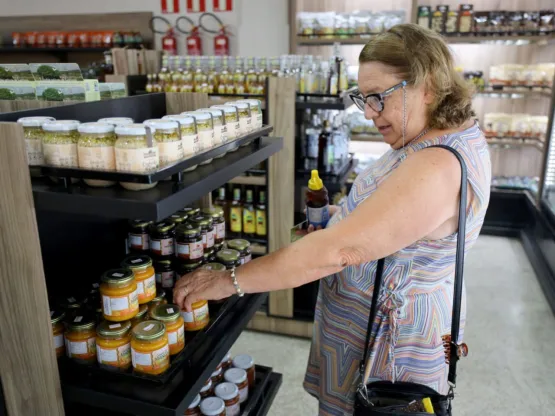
260,213
222,202
249,224
235,212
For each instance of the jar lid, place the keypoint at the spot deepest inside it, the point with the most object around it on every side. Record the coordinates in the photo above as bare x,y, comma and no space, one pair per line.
56,316
149,330
71,303
134,129
187,229
226,108
186,268
160,296
60,125
238,244
136,261
200,115
214,266
214,212
81,322
195,402
216,373
227,357
190,211
140,224
252,102
228,255
97,128
216,112
235,375
201,220
160,124
165,313
207,386
226,391
118,277
163,226
239,104
116,121
243,361
183,119
179,217
142,310
34,121
212,406
113,329
162,262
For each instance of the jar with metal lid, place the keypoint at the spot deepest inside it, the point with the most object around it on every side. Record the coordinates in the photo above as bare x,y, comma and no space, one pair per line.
113,345
138,237
231,115
243,247
81,338
119,295
160,299
217,215
69,303
169,315
226,362
59,143
162,238
229,393
256,112
183,269
207,231
207,389
245,121
209,256
168,137
165,275
190,211
229,258
189,242
205,129
141,266
150,353
179,218
199,318
136,152
220,128
116,121
212,406
58,329
217,376
246,362
194,407
189,136
141,316
96,151
34,134
238,376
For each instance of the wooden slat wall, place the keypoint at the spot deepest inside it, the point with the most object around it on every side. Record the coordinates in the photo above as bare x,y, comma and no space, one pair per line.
179,102
7,106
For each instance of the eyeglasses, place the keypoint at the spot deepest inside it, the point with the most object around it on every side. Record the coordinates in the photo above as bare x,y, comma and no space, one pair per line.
375,101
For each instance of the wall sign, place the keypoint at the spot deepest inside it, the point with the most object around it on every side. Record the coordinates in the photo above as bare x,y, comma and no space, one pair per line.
170,6
196,6
223,5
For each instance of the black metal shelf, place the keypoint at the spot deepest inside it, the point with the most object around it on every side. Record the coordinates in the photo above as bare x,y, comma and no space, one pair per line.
269,394
323,101
159,202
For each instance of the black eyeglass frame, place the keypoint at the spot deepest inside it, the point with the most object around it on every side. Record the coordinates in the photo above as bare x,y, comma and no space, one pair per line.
358,98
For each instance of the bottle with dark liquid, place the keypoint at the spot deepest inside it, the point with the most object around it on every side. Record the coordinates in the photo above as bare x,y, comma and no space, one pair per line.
222,202
317,202
260,213
249,224
323,148
236,213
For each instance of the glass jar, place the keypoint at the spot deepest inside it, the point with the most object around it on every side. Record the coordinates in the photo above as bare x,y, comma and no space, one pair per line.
220,128
217,376
165,275
209,256
189,242
199,318
136,152
81,339
116,121
169,315
246,362
58,329
238,377
141,266
194,407
184,269
217,215
229,393
179,218
150,353
207,389
243,247
205,129
189,136
141,316
168,137
190,211
138,237
256,112
231,115
226,362
34,134
160,299
113,345
96,151
119,295
207,232
245,121
162,238
212,406
229,258
59,143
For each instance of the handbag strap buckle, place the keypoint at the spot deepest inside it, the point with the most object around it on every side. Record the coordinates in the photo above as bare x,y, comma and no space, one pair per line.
461,350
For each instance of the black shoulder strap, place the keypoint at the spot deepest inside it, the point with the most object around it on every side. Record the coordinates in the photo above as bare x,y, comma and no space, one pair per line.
458,283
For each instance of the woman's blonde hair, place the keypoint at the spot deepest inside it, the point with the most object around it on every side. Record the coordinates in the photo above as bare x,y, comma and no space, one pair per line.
418,55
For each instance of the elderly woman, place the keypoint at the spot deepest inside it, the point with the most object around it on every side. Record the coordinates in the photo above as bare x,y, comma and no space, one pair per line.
404,208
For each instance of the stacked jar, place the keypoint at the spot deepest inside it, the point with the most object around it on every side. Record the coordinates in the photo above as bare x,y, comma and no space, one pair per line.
205,130
189,136
231,116
59,143
217,215
168,136
138,237
245,120
113,345
175,329
256,112
206,225
150,352
116,121
220,128
34,134
145,278
96,150
80,338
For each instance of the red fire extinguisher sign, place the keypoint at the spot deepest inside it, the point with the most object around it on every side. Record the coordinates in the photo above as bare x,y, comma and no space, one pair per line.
196,6
223,5
170,6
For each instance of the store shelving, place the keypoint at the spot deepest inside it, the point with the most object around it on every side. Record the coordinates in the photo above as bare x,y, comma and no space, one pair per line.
46,49
514,93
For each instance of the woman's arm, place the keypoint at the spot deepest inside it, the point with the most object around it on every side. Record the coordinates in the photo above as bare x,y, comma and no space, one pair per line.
418,197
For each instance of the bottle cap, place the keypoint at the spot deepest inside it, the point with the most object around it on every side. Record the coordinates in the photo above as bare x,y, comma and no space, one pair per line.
315,183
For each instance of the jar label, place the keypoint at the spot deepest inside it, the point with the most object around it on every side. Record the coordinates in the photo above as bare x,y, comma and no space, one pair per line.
233,410
224,136
244,394
101,158
165,279
139,241
151,361
170,152
81,349
58,341
196,319
247,258
137,160
120,356
62,155
220,231
190,250
204,239
260,222
177,337
235,216
34,152
163,247
206,139
318,216
245,123
210,239
191,144
147,288
120,305
201,314
258,120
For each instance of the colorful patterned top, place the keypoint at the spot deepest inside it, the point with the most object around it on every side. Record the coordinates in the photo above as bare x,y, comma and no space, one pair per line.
415,306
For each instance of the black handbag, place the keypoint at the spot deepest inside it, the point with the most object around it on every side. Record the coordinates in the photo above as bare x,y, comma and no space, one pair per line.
387,398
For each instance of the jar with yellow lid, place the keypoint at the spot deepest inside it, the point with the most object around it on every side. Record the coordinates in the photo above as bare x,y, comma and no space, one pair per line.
113,345
58,329
169,315
217,215
119,295
220,128
256,112
59,143
116,121
205,129
138,237
229,258
199,318
231,117
207,232
243,247
145,276
245,120
141,316
81,338
150,353
189,135
168,137
33,133
96,150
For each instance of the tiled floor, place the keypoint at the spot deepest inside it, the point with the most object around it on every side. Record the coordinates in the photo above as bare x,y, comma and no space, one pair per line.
510,333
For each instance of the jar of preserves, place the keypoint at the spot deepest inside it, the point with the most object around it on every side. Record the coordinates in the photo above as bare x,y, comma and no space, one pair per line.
199,318
136,152
246,362
33,133
212,406
141,316
141,266
165,275
256,112
226,362
189,243
162,238
58,329
96,151
190,211
194,407
169,315
113,345
205,130
116,121
229,393
245,121
119,295
238,377
229,258
243,247
189,136
231,115
179,218
217,376
160,299
186,268
207,389
218,219
168,137
209,256
138,237
150,353
207,232
81,338
59,143
220,128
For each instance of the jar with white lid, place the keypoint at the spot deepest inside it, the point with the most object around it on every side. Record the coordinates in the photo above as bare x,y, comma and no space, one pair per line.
256,112
220,128
96,150
194,408
59,143
33,134
168,137
189,136
229,393
117,121
245,119
212,406
231,115
239,377
205,130
136,152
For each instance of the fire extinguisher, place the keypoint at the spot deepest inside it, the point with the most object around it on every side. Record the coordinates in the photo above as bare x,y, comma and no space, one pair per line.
169,40
221,40
193,42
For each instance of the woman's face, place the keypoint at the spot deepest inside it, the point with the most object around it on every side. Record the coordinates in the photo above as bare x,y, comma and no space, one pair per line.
375,77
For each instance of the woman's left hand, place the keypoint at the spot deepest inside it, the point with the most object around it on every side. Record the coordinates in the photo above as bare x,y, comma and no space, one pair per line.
202,284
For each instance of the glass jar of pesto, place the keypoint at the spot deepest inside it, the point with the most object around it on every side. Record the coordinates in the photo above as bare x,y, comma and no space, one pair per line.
205,129
168,137
189,136
136,152
220,128
116,121
33,134
96,150
256,112
231,115
59,143
245,121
